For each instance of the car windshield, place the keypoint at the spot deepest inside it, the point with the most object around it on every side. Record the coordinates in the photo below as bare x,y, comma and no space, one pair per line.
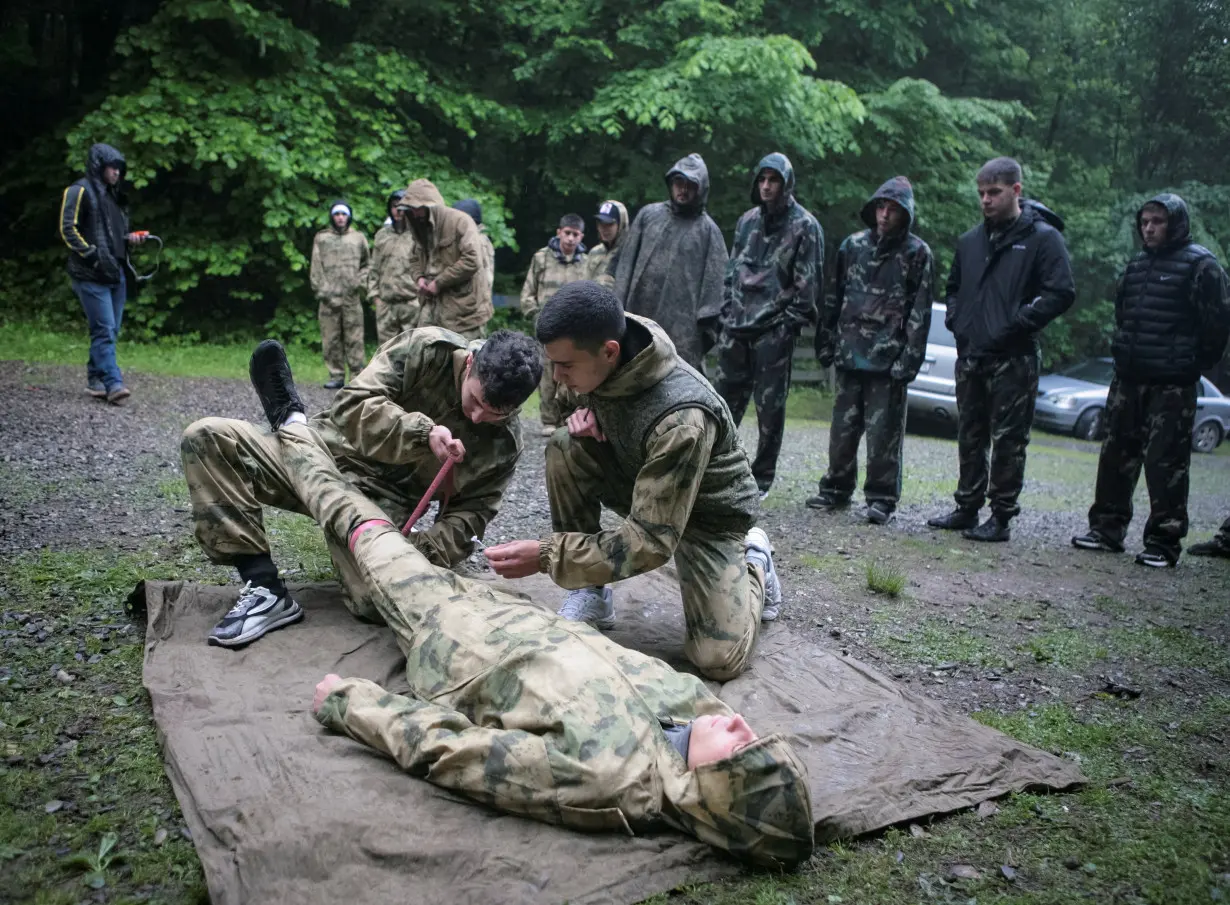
1092,371
939,335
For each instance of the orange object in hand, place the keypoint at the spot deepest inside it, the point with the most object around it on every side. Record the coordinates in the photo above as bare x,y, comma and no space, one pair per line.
141,233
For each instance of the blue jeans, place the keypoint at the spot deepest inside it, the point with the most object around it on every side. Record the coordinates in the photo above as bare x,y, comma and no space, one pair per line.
104,310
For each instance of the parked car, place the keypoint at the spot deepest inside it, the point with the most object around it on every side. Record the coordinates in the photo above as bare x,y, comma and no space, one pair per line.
933,393
1073,401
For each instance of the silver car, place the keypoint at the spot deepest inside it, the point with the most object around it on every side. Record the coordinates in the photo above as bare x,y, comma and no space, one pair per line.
1073,401
933,393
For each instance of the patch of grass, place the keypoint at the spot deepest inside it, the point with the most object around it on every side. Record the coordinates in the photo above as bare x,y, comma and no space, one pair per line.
885,579
1160,646
806,403
932,640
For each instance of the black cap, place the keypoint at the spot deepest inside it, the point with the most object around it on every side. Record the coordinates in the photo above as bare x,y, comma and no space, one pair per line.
607,213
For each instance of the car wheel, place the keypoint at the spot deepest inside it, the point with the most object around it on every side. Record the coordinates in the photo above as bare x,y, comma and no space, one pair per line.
1206,437
1089,425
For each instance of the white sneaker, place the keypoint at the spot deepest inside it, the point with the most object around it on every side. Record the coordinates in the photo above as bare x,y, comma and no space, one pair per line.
257,611
595,605
757,542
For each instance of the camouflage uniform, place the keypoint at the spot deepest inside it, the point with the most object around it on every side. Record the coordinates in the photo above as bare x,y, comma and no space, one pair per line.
549,270
377,432
604,261
339,273
394,295
874,329
537,716
772,282
677,474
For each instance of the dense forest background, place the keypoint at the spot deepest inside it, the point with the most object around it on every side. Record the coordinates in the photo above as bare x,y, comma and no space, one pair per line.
242,120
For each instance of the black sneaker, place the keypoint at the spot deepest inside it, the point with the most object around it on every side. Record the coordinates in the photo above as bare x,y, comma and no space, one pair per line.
1155,558
334,383
257,611
1214,547
993,530
879,513
827,500
957,520
1095,541
274,384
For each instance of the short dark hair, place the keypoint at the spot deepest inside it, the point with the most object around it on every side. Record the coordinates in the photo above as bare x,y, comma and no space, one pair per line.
575,221
584,312
1001,170
509,366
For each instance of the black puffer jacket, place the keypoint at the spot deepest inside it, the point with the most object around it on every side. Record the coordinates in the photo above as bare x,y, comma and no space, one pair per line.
1001,293
94,220
1172,315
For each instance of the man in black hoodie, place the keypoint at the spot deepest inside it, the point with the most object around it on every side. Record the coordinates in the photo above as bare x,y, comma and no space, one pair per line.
94,226
1010,278
1172,320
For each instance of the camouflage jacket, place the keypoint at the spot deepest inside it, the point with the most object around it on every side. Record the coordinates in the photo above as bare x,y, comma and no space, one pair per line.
339,265
603,261
880,312
447,250
485,280
534,715
776,268
388,277
377,431
549,270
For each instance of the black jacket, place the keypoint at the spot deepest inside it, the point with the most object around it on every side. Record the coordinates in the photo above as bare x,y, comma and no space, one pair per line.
94,221
1002,293
1172,316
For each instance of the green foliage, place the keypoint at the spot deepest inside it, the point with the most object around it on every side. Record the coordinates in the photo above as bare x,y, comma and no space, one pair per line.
885,579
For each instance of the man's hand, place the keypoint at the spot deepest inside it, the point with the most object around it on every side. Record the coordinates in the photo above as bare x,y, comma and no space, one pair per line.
582,423
515,559
136,238
423,284
443,446
323,688
432,288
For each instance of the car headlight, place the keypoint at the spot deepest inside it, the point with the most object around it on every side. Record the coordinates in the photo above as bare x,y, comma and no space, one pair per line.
1062,400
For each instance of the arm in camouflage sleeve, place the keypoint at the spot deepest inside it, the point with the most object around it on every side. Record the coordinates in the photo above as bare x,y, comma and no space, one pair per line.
365,258
920,292
798,300
447,542
830,312
1213,308
470,257
317,271
732,264
529,289
372,287
666,486
368,417
505,768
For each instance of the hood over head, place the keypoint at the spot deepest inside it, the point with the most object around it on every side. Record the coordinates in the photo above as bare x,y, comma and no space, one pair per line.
781,165
342,206
422,193
897,189
393,200
755,804
103,155
472,207
1042,211
693,169
612,211
1178,220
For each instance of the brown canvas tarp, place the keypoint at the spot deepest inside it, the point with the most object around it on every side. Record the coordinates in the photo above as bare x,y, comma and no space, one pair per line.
282,810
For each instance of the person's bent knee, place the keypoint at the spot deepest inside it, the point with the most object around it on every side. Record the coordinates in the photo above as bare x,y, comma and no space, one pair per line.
202,434
720,661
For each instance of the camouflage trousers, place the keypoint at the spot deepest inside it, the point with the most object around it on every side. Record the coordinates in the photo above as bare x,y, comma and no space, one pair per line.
995,411
341,336
1147,427
874,403
758,368
394,318
723,594
431,315
233,470
555,401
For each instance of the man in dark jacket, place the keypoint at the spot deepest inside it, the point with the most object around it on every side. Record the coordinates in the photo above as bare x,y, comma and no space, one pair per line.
1172,320
772,282
94,226
672,263
874,329
1010,278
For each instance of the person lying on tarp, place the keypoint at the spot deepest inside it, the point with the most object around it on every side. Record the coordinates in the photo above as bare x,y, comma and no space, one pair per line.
529,713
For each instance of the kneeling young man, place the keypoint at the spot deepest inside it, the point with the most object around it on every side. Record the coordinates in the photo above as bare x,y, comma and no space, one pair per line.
656,444
511,706
426,397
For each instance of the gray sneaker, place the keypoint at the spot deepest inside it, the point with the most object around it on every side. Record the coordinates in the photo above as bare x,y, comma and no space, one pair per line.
257,611
595,605
757,543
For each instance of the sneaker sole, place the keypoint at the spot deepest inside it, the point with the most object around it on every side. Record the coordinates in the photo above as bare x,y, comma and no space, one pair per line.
252,634
1153,564
1096,545
770,613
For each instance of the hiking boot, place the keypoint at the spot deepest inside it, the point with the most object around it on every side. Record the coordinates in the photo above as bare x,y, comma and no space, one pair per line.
117,395
879,513
957,520
1155,558
995,529
257,611
1214,547
334,383
595,605
96,389
1095,541
826,499
273,382
757,549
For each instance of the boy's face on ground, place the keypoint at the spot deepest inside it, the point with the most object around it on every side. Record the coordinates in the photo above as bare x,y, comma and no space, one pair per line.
1000,202
579,370
607,232
1153,225
716,738
683,191
890,217
339,220
569,239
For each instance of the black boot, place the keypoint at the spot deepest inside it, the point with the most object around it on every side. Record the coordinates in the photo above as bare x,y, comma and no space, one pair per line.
1214,547
957,520
992,530
274,384
334,383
